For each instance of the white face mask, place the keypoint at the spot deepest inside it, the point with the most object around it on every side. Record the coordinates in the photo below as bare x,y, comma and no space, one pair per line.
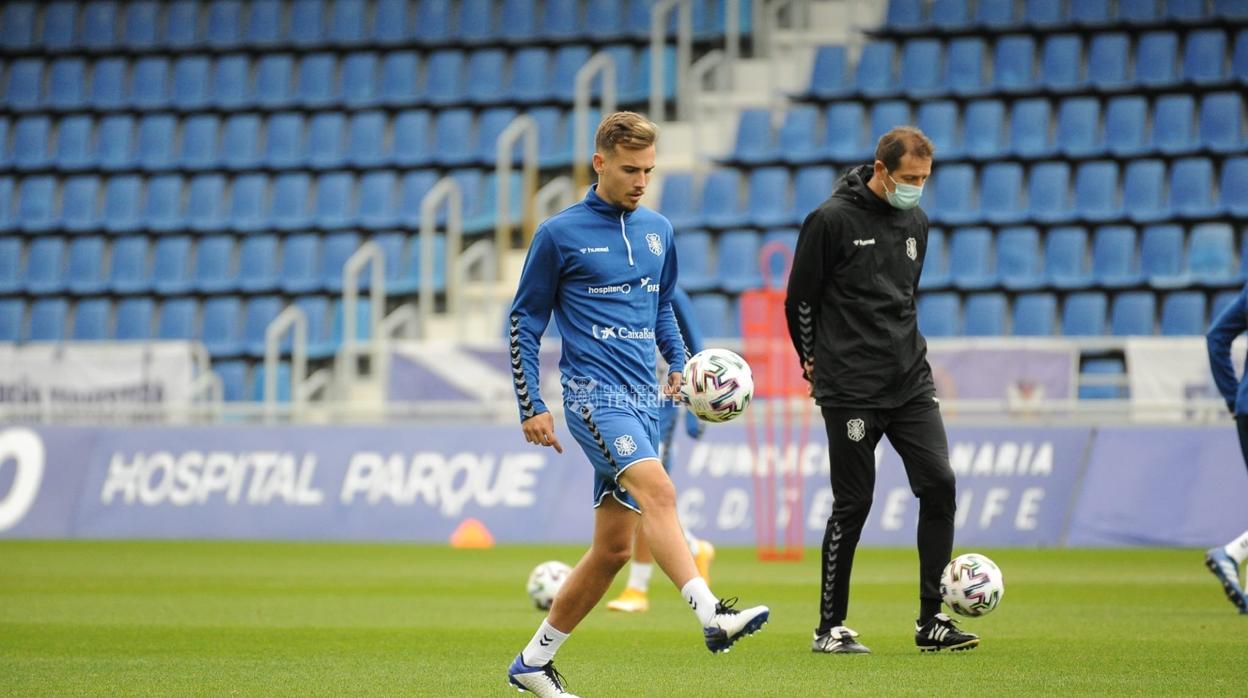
904,195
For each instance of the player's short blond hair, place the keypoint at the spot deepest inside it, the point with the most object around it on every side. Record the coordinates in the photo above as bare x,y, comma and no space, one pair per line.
625,129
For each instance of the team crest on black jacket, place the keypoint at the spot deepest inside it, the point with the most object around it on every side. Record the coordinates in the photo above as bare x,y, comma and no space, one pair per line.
912,248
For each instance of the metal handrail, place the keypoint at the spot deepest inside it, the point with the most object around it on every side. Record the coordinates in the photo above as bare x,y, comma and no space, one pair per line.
556,195
479,255
347,369
603,63
684,52
523,126
448,190
292,319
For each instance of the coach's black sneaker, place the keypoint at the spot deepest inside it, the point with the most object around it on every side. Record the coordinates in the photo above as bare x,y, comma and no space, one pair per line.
838,640
940,633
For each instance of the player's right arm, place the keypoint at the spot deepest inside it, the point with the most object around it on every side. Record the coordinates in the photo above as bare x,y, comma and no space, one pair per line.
530,313
806,283
1229,324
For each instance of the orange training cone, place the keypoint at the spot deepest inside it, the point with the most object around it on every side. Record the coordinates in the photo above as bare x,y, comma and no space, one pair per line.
472,534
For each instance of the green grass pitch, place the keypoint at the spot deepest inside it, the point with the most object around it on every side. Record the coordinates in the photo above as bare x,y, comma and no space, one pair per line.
95,618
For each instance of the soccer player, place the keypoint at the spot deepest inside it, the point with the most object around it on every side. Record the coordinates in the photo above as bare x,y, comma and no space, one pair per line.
851,313
607,268
1225,561
635,598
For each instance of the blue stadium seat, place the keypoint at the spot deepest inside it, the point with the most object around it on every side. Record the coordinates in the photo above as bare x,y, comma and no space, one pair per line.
935,274
91,320
79,196
197,148
754,143
127,269
1133,314
134,319
1034,315
884,117
693,248
475,21
1065,258
233,375
336,249
905,15
490,125
12,313
222,317
162,207
179,319
1107,368
1001,192
392,23
17,25
299,263
1108,61
530,76
609,25
517,21
843,137
140,25
1156,59
1230,9
950,14
58,25
1048,192
214,265
257,316
230,82
407,274
1044,14
1183,313
247,196
433,22
264,20
1078,127
1234,187
964,66
10,265
1173,124
554,147
1014,64
181,25
85,272
333,208
283,141
257,264
316,311
412,190
984,315
1125,126
921,64
274,80
721,206
970,259
1204,55
1161,256
108,83
289,210
307,23
205,203
453,138
1029,129
149,84
811,187
938,119
358,81
73,142
376,209
314,85
1020,261
391,244
66,80
283,383
25,84
190,82
1062,62
1239,56
738,267
568,60
1191,188
1143,191
1211,255
240,141
400,72
171,265
7,219
411,139
1114,263
1096,191
486,75
1083,314
30,142
952,196
939,314
995,15
1221,122
326,132
225,22
1220,301
1185,11
797,142
45,266
768,201
444,78
829,76
1138,11
154,150
874,75
983,130
34,206
712,311
677,201
47,319
346,22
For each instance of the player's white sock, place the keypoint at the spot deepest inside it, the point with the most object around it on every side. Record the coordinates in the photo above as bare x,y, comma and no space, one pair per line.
542,647
639,575
1238,549
699,597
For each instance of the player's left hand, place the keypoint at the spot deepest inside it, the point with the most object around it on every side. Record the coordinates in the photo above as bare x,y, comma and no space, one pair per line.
672,389
694,427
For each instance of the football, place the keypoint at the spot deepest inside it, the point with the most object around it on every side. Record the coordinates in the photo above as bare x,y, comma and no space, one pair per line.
717,384
972,585
544,582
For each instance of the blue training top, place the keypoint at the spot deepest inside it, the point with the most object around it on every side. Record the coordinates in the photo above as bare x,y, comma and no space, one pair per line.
1229,324
609,276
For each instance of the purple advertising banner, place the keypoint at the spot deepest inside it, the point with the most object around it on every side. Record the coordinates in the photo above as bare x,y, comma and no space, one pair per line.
1017,486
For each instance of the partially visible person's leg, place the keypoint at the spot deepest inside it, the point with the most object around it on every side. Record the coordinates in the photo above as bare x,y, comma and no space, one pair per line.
1224,561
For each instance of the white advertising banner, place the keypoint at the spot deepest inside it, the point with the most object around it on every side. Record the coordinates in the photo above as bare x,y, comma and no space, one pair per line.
93,375
1173,370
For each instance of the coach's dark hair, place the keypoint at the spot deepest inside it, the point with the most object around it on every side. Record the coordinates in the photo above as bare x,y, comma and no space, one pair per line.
902,140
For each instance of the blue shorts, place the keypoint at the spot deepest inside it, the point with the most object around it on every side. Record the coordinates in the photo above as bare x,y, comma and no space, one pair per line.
613,439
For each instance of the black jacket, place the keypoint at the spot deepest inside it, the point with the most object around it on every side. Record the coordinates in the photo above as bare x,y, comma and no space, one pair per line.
851,298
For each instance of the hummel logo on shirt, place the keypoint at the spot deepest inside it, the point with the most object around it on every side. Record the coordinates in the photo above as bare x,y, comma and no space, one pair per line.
864,243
